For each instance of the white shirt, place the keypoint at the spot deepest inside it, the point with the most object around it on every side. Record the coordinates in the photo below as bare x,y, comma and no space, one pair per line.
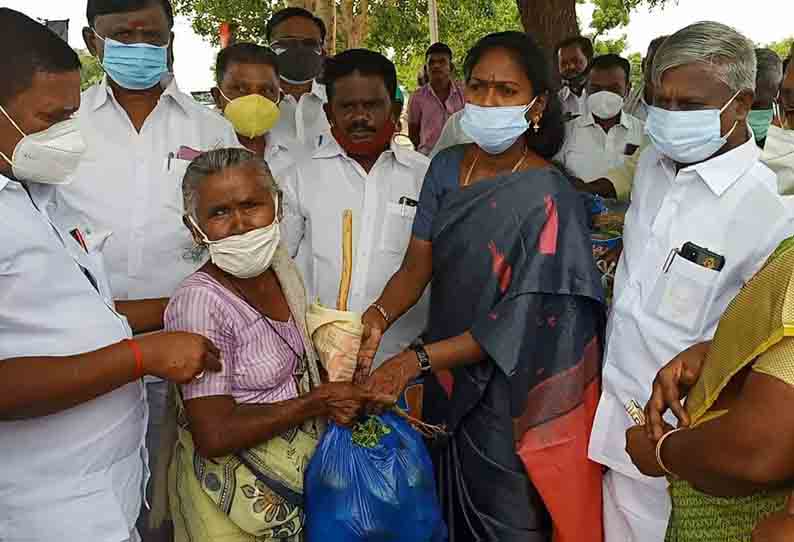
451,135
318,191
278,156
303,121
572,104
74,476
728,205
778,155
128,187
589,152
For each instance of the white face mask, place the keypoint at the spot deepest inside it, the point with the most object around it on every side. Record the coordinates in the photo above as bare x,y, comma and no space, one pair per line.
778,156
605,104
245,256
47,157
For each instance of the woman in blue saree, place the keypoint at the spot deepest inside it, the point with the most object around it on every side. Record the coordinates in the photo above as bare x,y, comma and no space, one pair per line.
511,358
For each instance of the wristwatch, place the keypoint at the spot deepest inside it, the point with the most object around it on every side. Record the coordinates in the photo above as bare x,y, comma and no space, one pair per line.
423,357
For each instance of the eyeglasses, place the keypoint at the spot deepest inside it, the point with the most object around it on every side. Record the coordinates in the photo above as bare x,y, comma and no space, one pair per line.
279,46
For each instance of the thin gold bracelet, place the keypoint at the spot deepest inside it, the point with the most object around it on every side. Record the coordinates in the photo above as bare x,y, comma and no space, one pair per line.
381,310
659,451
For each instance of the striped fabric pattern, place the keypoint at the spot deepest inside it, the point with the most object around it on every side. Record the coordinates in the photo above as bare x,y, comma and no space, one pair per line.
257,365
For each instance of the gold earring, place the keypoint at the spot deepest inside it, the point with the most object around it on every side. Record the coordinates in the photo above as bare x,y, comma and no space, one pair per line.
536,124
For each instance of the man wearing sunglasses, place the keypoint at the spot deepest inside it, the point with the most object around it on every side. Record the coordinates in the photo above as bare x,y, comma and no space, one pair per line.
298,38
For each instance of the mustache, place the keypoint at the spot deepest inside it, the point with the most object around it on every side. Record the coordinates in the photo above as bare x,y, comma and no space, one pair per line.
357,127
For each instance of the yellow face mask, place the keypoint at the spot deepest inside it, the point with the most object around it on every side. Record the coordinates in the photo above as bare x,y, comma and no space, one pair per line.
252,116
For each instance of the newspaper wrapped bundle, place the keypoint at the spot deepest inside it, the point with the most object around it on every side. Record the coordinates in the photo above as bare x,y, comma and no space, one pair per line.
336,336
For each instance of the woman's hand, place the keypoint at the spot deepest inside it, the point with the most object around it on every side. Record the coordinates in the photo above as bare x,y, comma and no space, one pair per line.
344,401
642,451
374,327
394,376
671,386
778,527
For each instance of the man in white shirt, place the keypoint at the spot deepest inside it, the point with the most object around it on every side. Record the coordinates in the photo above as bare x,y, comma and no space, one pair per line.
72,409
779,145
605,135
362,169
574,56
141,133
247,74
298,38
704,217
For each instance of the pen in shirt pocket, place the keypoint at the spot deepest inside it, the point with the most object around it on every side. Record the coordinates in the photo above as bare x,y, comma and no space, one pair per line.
406,202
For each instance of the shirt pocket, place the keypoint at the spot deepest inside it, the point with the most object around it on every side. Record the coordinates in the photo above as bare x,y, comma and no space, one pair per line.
397,228
683,294
175,173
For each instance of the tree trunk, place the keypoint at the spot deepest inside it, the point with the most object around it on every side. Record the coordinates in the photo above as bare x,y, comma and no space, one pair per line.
549,21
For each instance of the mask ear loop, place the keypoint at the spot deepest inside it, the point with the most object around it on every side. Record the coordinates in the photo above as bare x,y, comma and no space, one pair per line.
224,95
15,125
736,122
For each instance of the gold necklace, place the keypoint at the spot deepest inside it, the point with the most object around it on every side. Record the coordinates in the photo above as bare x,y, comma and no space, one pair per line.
474,162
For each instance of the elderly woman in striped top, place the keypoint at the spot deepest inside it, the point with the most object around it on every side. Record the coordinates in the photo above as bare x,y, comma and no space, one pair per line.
245,434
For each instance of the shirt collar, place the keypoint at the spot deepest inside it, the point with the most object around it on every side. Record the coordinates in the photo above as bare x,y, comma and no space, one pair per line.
331,149
104,92
3,181
724,171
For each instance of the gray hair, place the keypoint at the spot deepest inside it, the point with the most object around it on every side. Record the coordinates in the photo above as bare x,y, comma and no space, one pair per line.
716,46
770,68
216,161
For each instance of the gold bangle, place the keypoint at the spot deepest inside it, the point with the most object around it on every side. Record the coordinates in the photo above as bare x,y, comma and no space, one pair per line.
659,451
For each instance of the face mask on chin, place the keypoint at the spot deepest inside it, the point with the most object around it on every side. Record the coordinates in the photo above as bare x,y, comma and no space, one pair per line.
369,149
47,157
576,83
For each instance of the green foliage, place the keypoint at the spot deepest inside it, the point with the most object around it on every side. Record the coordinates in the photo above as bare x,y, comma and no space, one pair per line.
603,47
249,16
90,71
784,47
402,27
608,14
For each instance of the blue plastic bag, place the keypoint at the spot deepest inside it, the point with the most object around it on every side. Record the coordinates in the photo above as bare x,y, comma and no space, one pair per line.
385,493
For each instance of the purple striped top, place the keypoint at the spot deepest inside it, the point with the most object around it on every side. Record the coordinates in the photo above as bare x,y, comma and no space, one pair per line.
257,365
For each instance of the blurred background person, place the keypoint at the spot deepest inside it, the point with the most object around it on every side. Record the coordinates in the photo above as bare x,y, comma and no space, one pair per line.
432,104
574,56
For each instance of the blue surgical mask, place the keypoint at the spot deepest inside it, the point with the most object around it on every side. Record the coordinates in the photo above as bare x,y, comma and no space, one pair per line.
495,129
687,137
134,66
760,120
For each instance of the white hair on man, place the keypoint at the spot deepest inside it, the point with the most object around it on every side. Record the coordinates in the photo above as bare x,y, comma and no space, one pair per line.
716,46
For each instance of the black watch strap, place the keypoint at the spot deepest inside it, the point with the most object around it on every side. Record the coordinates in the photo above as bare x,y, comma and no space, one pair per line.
423,357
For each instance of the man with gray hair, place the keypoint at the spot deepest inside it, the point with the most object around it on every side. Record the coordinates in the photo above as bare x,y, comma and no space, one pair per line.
767,86
705,215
